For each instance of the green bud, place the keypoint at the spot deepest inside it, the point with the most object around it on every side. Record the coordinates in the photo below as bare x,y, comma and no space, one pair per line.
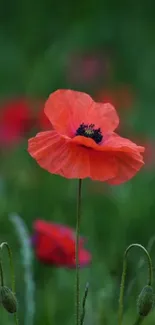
145,301
8,299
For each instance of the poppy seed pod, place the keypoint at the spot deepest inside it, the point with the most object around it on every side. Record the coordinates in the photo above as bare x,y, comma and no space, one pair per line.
145,301
8,299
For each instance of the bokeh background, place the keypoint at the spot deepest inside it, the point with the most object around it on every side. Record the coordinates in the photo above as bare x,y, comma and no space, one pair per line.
106,49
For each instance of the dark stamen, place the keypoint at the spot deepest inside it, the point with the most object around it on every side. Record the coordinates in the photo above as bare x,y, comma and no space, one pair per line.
90,132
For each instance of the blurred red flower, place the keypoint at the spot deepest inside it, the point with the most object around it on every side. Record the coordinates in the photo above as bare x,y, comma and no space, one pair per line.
15,119
83,143
55,244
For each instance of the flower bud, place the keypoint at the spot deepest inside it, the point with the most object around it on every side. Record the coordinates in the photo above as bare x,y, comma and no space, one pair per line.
8,299
145,301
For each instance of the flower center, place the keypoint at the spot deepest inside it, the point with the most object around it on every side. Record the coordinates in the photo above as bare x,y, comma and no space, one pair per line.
89,131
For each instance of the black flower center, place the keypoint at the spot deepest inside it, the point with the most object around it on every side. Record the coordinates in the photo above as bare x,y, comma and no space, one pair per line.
89,131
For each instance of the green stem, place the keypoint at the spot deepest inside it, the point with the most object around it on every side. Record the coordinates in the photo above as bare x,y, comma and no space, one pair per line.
122,286
77,253
11,264
84,304
1,274
16,319
5,244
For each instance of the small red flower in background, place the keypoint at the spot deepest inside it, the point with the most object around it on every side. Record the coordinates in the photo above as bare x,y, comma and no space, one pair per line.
55,244
15,119
83,142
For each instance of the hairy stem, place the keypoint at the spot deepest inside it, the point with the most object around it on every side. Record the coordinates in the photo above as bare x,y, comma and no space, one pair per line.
5,244
122,286
11,264
1,274
77,252
84,303
16,319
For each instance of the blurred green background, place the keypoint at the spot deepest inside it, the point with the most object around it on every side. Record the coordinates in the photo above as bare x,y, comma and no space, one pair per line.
107,49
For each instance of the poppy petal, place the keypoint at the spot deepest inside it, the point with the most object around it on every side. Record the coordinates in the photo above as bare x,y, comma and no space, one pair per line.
114,142
51,228
49,149
103,116
127,157
110,143
60,156
84,258
68,109
45,247
128,164
54,244
59,233
56,155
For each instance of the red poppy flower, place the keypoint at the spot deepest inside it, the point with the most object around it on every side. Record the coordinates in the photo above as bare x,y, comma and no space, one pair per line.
83,143
15,120
55,244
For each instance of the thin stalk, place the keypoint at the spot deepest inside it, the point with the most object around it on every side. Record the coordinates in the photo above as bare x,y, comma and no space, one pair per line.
1,274
77,252
122,286
11,264
84,303
16,319
5,244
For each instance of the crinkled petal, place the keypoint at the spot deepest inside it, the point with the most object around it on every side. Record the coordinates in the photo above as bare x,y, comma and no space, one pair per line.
55,154
117,160
110,143
49,150
123,166
103,116
60,156
128,164
67,109
114,142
